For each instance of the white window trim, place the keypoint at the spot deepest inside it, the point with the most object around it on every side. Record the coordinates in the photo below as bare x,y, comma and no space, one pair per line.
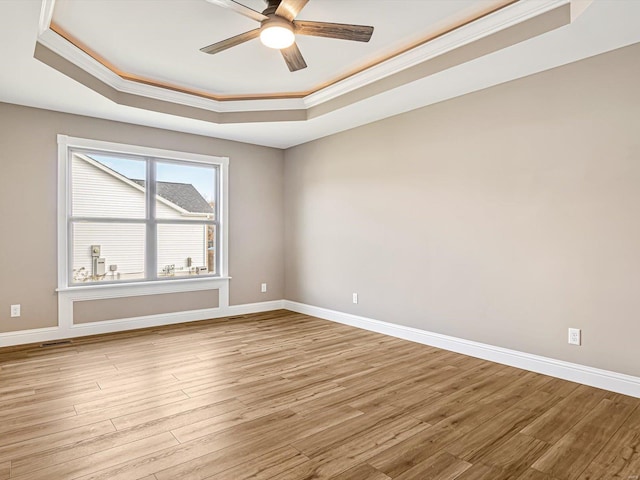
68,294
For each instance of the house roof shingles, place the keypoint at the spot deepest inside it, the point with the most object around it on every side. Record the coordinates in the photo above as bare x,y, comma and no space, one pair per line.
184,195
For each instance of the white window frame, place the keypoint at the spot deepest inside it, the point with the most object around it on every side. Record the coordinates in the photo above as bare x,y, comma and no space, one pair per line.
68,293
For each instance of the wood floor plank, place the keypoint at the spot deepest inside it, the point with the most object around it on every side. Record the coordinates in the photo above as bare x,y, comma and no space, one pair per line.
451,403
18,393
61,390
396,460
250,418
341,396
619,459
141,411
221,422
355,449
538,401
284,396
212,454
118,398
480,471
441,466
363,471
47,401
532,474
315,444
39,444
124,381
217,462
633,421
5,470
185,411
513,458
101,460
407,392
464,377
211,383
558,420
571,454
14,429
559,387
490,435
82,448
264,467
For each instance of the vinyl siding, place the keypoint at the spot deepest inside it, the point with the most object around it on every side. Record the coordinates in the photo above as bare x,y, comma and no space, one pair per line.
177,242
99,194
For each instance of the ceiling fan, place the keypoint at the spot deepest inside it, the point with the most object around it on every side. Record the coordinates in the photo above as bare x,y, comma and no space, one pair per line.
278,28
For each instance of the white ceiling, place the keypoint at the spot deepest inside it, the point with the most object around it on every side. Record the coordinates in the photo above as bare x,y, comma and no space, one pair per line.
161,40
605,25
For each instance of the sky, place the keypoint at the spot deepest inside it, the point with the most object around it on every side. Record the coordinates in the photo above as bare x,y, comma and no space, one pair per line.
202,178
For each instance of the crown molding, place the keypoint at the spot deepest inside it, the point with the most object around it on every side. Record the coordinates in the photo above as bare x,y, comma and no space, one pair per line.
508,16
46,14
86,62
491,23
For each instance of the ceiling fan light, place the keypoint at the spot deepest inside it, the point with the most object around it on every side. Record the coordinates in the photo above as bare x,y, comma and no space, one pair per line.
277,36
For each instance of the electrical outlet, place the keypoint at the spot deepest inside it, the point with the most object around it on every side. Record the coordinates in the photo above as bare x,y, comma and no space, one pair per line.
355,298
15,310
574,336
263,287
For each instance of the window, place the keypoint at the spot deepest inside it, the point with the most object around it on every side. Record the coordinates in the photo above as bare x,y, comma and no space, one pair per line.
133,214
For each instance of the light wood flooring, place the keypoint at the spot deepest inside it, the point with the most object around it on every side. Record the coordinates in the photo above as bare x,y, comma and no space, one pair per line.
285,396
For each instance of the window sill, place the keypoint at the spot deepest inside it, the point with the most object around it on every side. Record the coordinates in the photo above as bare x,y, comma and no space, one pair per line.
134,289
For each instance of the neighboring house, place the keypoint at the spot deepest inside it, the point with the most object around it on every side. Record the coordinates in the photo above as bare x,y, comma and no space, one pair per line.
102,192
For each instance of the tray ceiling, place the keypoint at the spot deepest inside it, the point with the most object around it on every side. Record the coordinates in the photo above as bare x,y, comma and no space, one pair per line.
92,72
160,41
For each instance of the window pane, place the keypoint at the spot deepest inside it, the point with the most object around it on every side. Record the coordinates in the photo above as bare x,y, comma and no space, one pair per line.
185,191
120,256
186,249
107,186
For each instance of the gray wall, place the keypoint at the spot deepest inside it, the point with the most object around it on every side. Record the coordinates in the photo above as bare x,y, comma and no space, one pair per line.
28,169
88,311
504,216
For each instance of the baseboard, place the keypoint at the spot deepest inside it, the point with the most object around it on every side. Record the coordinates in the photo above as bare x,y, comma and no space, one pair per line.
247,308
24,337
39,335
595,377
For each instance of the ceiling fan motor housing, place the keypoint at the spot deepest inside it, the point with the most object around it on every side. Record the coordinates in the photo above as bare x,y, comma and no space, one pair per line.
272,7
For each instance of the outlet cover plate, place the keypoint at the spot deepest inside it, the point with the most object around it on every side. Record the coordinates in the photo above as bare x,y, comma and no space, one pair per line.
574,336
15,310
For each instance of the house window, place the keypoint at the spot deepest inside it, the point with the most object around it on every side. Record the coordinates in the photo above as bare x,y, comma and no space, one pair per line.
133,214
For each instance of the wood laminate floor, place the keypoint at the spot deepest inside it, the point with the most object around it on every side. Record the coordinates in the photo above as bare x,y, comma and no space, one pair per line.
285,396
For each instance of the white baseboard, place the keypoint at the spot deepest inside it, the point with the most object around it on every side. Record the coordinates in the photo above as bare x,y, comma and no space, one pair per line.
24,337
595,377
40,335
255,307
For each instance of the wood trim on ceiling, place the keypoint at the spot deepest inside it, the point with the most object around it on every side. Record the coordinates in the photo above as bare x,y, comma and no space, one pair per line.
499,5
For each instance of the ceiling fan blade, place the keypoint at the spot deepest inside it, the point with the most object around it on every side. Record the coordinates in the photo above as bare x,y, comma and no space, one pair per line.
293,57
239,8
359,33
290,9
231,42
